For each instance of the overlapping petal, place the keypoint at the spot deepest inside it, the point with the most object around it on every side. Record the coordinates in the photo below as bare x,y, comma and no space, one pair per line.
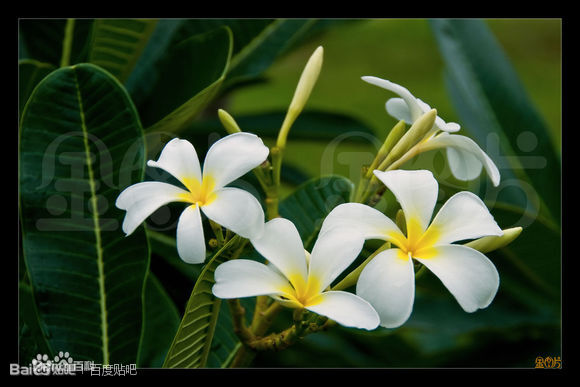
246,278
464,156
332,253
236,210
346,309
468,274
180,159
368,221
142,199
463,216
190,239
233,156
416,192
388,284
281,245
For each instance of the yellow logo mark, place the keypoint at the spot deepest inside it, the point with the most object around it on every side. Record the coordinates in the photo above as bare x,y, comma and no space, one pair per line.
548,362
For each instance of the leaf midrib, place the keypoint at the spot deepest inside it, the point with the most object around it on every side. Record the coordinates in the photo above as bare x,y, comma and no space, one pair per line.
97,231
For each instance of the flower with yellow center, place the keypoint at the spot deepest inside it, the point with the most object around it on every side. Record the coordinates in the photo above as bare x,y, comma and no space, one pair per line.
388,280
297,279
227,159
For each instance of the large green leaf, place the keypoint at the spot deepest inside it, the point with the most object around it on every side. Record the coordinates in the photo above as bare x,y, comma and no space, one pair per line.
161,322
189,77
192,342
81,143
495,108
117,44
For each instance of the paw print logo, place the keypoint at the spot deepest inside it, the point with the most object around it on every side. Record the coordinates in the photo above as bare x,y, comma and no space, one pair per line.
63,358
41,365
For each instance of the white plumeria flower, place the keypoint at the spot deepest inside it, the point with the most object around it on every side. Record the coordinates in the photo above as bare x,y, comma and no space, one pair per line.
298,279
226,160
466,159
388,280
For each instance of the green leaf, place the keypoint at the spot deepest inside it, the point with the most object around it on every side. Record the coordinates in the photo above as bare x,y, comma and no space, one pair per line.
312,202
495,108
31,340
30,72
117,44
189,78
81,143
144,75
161,322
192,343
259,53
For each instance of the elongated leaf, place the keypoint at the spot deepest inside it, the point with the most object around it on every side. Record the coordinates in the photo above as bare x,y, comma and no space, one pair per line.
243,30
30,72
144,75
80,144
258,54
117,44
161,322
189,77
192,342
497,111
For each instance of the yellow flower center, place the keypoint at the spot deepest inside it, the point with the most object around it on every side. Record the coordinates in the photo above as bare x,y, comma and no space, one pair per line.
199,193
417,243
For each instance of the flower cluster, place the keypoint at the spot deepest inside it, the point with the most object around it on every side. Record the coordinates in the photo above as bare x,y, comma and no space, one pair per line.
302,280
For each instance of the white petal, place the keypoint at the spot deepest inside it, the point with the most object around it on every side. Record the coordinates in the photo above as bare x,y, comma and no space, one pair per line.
398,108
346,309
368,221
190,239
462,166
463,216
281,245
233,156
142,199
388,284
237,210
416,191
179,158
468,274
240,278
332,253
414,107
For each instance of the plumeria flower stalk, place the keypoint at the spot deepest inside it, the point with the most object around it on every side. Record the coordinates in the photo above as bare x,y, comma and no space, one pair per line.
297,279
388,280
466,159
237,210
